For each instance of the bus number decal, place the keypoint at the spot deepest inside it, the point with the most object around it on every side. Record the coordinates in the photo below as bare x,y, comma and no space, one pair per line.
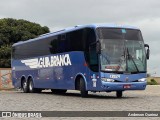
114,76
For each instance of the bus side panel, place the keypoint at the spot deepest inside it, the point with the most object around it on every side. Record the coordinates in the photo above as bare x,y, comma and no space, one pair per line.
57,77
20,71
64,76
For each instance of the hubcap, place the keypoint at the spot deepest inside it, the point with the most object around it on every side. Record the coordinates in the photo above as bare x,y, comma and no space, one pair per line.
30,86
24,84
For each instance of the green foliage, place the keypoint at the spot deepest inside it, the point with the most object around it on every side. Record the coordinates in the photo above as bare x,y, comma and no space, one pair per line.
12,31
152,82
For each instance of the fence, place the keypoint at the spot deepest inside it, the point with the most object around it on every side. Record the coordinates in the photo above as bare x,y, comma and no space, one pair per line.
5,78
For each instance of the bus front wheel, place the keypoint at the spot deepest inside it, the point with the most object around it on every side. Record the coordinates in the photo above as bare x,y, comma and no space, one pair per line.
119,94
84,92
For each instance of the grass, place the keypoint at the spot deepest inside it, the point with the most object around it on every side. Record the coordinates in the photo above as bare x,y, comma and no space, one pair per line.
153,81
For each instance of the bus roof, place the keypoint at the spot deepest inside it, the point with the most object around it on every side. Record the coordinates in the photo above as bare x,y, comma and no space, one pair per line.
73,29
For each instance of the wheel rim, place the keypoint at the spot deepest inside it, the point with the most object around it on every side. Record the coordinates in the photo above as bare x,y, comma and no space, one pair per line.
31,86
24,84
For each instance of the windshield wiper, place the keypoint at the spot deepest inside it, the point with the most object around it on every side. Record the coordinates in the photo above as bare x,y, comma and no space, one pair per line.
130,56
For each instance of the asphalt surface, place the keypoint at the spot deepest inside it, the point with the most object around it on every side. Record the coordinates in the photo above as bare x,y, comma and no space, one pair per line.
148,100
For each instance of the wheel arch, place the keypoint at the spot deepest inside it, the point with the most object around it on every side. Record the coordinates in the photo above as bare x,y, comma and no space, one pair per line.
22,78
26,78
30,77
77,81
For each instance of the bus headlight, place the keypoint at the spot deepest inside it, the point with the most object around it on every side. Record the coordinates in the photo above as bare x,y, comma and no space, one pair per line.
107,80
142,80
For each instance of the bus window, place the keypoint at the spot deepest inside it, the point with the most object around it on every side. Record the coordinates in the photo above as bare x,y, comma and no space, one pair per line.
93,58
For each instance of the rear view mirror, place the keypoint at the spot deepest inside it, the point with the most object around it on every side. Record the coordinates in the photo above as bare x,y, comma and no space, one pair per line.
148,51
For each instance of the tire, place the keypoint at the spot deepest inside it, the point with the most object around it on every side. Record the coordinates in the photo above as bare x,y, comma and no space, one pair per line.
119,94
84,92
58,91
31,87
25,86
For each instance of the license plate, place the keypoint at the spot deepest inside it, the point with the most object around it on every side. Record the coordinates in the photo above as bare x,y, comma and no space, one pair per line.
126,86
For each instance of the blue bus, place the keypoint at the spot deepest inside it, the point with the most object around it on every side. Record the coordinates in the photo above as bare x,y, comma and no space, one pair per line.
96,58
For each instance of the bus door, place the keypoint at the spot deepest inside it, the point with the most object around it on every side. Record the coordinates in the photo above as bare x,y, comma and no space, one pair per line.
93,63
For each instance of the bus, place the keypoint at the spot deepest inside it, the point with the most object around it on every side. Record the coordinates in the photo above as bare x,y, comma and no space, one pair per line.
95,58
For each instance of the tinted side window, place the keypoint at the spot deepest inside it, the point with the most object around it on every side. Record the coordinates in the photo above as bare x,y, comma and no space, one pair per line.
90,49
32,49
93,58
76,40
90,37
71,41
53,44
61,43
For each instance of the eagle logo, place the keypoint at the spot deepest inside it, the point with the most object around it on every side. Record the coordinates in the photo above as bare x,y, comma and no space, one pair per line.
32,63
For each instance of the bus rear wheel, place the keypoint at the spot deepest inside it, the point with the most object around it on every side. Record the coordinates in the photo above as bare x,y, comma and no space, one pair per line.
31,87
58,91
84,92
25,86
119,94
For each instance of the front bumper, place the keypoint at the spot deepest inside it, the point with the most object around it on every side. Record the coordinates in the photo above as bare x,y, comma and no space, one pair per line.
119,86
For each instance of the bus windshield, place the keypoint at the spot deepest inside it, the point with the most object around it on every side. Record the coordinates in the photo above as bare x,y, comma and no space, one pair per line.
122,50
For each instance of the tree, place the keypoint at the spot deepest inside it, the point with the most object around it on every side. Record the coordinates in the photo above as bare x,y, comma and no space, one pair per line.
12,31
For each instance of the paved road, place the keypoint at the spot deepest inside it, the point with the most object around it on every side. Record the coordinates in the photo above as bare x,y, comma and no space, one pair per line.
148,100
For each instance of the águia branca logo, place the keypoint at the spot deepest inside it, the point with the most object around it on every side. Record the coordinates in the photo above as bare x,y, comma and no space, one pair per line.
49,61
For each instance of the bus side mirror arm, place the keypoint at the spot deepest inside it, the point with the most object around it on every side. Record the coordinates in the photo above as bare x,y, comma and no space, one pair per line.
148,51
98,47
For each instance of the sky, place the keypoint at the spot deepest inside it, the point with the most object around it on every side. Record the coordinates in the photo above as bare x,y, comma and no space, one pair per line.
59,14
